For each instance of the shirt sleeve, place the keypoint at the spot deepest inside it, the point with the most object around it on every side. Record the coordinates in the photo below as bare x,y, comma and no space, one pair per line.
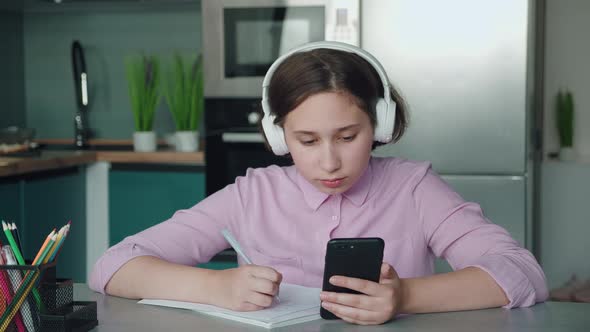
457,231
189,237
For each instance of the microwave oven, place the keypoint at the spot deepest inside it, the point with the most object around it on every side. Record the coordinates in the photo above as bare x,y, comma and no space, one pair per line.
242,38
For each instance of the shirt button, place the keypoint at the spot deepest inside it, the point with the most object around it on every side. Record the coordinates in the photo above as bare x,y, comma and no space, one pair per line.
334,217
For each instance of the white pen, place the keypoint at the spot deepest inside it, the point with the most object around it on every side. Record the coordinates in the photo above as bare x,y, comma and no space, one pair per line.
234,244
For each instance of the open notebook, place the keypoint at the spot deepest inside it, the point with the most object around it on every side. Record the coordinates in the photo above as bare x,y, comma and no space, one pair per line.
298,304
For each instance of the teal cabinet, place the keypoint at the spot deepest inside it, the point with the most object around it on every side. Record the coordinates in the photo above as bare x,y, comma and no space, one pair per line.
139,199
42,201
11,207
218,265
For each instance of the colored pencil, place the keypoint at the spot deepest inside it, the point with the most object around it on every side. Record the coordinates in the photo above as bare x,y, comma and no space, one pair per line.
46,250
6,288
19,259
67,231
60,238
16,236
20,296
17,281
39,259
43,245
12,243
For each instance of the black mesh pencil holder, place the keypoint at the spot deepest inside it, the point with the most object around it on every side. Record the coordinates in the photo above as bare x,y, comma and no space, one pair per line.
37,301
20,300
61,312
56,294
76,316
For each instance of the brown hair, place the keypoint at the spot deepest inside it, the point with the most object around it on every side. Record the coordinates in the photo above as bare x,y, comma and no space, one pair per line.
304,74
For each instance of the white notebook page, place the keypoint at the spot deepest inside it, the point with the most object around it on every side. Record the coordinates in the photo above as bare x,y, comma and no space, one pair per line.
297,304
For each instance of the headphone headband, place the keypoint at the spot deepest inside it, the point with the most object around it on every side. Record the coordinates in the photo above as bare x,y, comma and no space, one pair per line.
384,108
333,45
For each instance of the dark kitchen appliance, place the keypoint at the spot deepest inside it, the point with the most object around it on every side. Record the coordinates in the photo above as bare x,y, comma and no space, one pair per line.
234,142
242,38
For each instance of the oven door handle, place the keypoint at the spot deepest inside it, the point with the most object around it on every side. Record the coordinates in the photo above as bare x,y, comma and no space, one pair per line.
242,138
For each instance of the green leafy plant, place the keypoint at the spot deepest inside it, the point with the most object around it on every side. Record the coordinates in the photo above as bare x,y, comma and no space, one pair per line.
564,111
143,78
184,91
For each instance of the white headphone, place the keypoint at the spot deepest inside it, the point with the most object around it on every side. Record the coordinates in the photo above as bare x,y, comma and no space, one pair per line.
385,108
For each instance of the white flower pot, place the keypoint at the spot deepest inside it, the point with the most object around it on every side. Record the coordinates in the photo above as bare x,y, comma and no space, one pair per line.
567,154
187,141
144,141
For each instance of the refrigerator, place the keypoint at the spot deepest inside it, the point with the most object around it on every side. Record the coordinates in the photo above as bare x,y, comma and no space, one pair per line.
467,71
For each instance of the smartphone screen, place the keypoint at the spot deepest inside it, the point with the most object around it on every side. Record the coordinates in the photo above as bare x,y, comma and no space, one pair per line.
352,257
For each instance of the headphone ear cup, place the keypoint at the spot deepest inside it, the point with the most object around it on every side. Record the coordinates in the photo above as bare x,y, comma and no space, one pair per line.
385,121
274,135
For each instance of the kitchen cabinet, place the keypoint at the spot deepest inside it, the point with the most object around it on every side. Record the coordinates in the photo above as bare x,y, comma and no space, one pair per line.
10,200
40,202
139,196
51,200
139,199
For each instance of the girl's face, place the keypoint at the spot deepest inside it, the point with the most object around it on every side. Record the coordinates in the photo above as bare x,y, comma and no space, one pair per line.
330,139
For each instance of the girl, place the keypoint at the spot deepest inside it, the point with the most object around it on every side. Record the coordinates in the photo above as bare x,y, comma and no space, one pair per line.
328,105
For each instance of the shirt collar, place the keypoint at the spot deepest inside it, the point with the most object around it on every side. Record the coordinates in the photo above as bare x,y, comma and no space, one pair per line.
357,194
313,197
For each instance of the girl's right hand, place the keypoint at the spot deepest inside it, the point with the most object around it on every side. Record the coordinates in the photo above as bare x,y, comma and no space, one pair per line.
246,288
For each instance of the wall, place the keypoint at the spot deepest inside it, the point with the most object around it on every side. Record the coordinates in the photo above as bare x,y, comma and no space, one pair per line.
107,36
564,216
12,112
567,53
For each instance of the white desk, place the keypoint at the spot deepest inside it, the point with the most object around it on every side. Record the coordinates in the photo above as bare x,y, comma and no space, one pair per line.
118,315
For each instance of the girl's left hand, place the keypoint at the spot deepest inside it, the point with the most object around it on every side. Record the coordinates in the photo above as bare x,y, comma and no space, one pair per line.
377,303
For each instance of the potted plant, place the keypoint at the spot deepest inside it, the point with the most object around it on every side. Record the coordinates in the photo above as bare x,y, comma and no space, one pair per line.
143,80
564,111
184,96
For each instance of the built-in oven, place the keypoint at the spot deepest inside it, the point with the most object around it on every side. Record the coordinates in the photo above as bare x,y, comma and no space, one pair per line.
241,38
234,142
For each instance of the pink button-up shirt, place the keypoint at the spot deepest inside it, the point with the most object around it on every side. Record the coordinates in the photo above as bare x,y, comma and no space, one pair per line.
284,222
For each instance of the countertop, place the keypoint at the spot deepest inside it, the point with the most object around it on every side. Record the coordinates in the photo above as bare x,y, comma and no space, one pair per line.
51,160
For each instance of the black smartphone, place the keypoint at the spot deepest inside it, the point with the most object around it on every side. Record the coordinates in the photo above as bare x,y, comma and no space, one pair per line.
352,257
